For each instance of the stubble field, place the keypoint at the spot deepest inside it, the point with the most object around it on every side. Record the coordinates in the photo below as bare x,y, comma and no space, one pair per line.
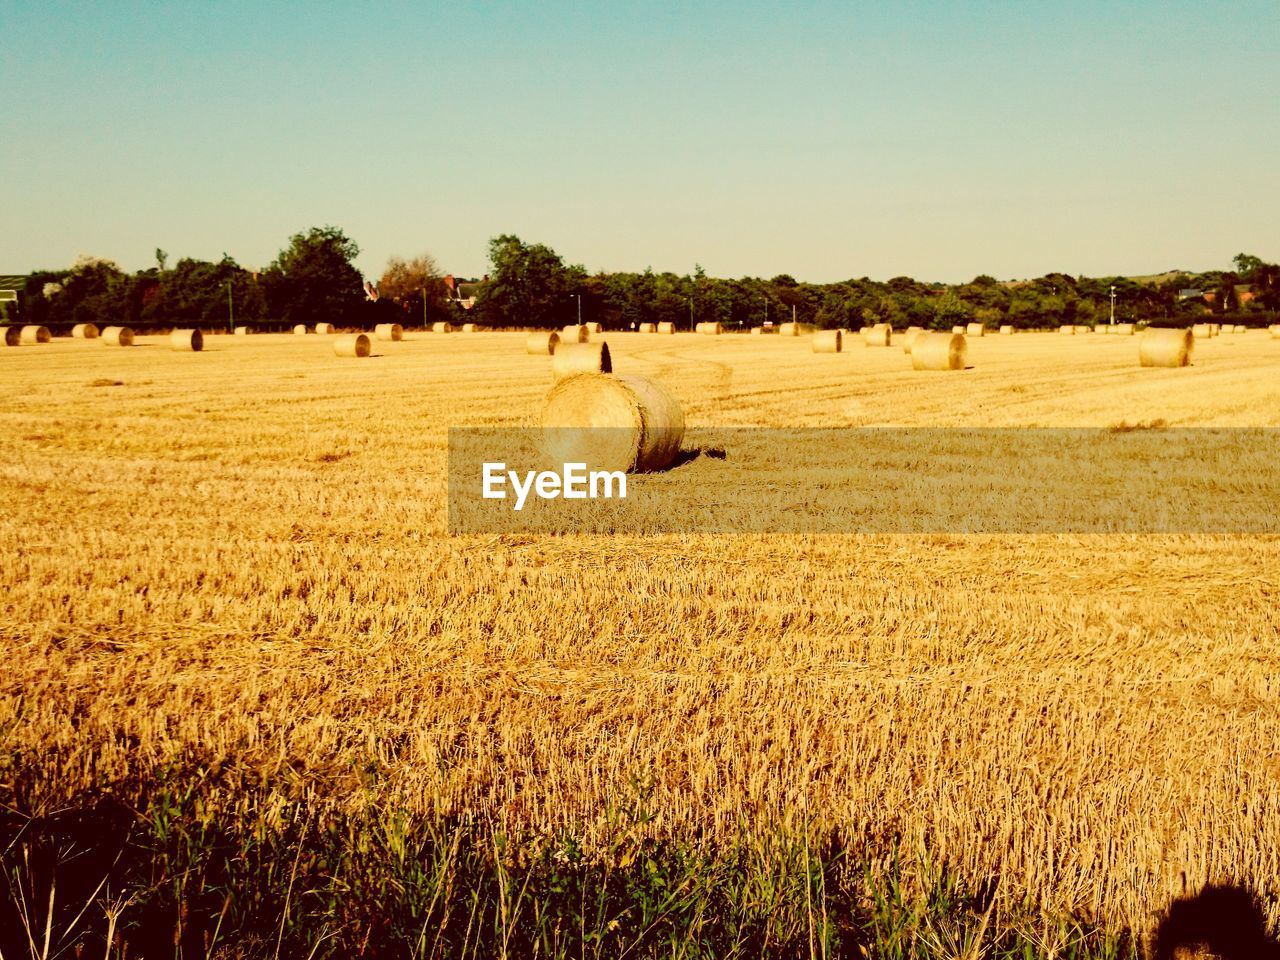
235,565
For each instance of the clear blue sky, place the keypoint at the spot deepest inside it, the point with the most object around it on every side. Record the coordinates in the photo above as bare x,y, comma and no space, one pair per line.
825,140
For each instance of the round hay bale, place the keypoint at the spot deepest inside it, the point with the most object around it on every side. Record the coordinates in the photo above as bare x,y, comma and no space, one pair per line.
914,329
1239,328
1202,331
242,331
1067,329
631,424
648,328
543,343
32,334
1006,330
757,331
12,336
85,331
389,331
1165,347
939,351
878,335
595,327
571,358
575,333
958,329
324,328
789,329
469,328
909,338
666,326
186,341
1275,331
976,330
1122,330
710,329
828,341
352,345
441,326
300,330
1083,328
117,337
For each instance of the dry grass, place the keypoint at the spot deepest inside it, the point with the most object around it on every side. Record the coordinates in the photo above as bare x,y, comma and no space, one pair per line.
1095,718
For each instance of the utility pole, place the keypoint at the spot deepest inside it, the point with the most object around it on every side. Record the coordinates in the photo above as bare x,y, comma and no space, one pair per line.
231,318
793,313
579,299
766,311
424,308
1113,305
690,299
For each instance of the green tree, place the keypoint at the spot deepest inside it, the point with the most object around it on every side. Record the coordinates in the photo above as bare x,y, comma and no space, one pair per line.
313,278
528,285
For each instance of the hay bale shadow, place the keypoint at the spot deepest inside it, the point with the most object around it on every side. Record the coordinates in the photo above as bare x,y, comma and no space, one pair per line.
1219,922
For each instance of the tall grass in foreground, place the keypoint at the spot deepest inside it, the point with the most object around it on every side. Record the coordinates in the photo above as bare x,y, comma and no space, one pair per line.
165,879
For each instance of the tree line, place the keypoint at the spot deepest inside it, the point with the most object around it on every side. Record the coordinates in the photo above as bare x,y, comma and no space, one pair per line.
530,285
313,279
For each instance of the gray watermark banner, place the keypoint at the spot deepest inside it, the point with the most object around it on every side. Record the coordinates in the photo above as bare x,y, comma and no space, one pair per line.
876,480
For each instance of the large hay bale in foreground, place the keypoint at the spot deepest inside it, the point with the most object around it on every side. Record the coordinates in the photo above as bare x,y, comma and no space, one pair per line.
878,335
300,330
575,333
631,424
828,341
542,343
1006,330
440,326
976,330
117,336
12,336
709,328
666,326
789,329
939,351
186,341
595,326
1165,347
389,331
324,328
353,345
571,358
648,328
32,334
85,331
1202,331
242,331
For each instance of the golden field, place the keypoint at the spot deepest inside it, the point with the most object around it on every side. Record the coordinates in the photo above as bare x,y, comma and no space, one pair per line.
239,558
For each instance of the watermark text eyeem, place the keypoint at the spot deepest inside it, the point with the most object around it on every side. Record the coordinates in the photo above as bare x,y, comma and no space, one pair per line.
574,482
